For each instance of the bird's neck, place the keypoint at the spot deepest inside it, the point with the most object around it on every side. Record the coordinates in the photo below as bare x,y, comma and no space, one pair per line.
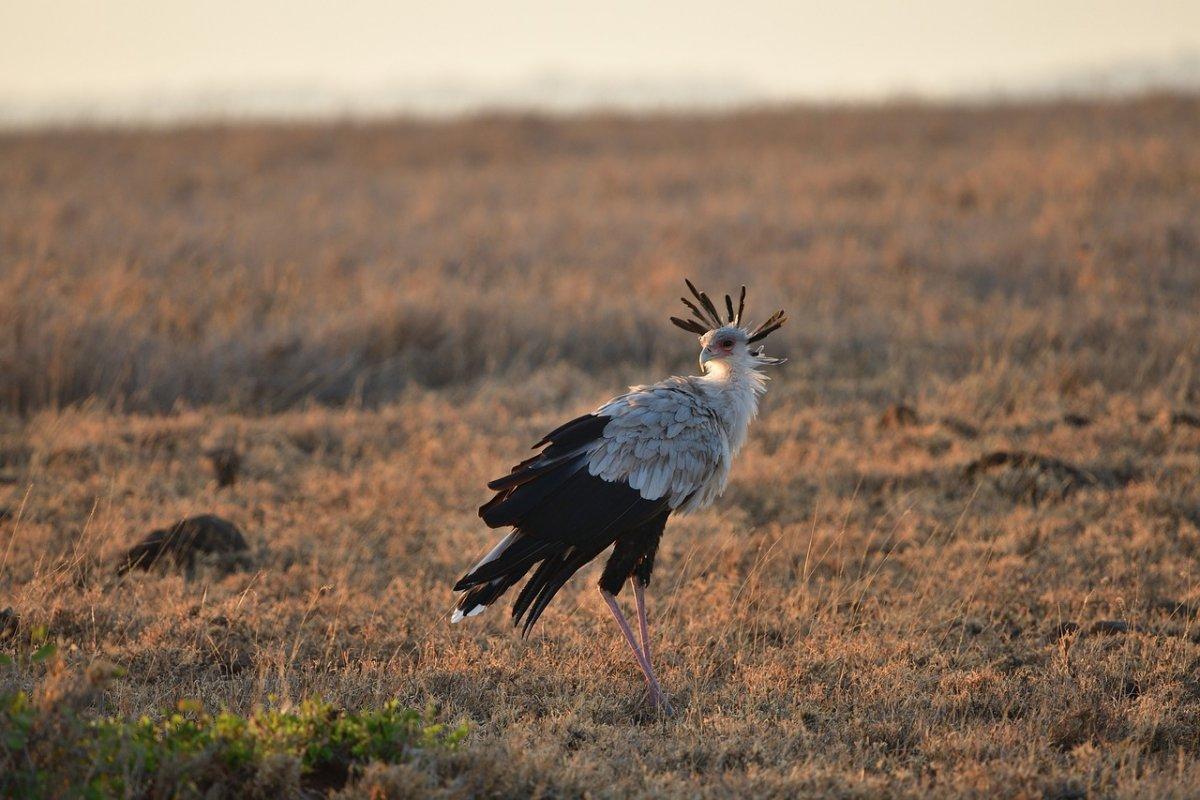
735,384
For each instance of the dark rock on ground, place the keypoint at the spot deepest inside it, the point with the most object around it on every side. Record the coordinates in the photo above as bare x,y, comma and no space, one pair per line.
1067,628
1030,476
1185,419
183,542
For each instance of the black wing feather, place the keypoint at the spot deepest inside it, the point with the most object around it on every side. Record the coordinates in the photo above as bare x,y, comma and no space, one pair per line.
535,478
509,507
530,469
575,433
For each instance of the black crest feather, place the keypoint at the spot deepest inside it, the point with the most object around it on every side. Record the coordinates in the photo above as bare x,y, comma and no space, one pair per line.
707,317
713,319
690,325
767,328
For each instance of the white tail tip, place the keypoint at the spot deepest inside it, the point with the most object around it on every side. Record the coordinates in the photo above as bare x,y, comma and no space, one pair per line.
458,615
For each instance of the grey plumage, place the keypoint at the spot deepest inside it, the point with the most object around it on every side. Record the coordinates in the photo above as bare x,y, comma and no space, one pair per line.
681,415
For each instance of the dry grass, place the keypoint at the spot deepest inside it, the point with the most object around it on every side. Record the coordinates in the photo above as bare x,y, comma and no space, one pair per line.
863,613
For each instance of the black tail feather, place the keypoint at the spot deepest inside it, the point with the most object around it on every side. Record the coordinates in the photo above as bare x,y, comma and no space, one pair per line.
487,593
520,555
531,588
551,580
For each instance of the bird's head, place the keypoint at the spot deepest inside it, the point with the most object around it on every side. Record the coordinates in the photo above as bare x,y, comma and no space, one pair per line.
725,344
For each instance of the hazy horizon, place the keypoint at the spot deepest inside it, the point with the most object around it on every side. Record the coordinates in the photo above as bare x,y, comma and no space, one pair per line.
135,60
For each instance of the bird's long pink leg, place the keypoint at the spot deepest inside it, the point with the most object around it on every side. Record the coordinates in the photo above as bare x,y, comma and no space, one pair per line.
656,693
639,595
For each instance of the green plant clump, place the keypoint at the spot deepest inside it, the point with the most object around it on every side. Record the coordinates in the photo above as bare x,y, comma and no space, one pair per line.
58,753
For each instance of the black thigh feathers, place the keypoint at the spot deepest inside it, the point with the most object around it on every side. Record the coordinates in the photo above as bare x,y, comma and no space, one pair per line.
563,517
634,554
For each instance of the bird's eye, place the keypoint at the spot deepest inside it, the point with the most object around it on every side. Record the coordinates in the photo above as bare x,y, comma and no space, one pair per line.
727,343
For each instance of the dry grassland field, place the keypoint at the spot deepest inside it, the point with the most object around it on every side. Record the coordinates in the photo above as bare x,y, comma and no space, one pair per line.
957,557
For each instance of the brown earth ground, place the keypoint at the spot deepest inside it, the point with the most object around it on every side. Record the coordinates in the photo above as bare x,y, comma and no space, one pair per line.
379,318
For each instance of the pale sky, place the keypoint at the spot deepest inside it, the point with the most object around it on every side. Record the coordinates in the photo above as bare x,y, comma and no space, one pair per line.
96,50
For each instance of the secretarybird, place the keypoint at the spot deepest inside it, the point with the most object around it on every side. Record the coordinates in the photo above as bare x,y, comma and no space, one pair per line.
612,477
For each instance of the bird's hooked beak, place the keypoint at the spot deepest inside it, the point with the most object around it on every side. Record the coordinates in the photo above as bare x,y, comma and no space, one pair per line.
706,355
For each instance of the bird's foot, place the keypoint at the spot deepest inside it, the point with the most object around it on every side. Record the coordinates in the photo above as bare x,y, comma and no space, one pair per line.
658,700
